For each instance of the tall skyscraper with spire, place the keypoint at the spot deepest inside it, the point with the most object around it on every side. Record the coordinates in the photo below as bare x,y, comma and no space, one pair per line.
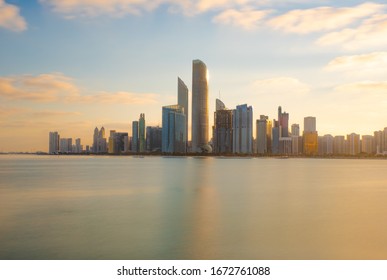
200,123
182,100
141,133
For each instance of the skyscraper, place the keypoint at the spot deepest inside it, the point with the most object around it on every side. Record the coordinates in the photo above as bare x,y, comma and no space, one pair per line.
53,143
295,129
141,133
174,139
200,123
243,129
310,136
261,131
153,138
353,142
283,122
182,100
222,130
135,136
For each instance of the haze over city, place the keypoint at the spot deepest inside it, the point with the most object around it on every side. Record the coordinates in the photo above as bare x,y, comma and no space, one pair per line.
73,65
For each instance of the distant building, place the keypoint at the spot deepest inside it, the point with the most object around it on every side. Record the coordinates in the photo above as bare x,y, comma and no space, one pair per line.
310,136
295,130
261,135
141,133
353,144
285,145
118,142
53,143
339,145
222,129
66,145
200,123
99,141
243,129
368,144
327,144
275,136
283,122
153,138
379,141
174,139
78,147
297,145
135,137
182,100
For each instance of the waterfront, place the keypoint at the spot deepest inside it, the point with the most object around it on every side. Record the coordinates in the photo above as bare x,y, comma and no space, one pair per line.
85,207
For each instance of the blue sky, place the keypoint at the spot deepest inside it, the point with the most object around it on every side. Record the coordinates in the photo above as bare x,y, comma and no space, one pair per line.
69,66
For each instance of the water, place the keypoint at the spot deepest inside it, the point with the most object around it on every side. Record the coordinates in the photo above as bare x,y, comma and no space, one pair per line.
84,207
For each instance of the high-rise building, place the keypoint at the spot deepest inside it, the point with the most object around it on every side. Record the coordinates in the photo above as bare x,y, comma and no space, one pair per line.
275,136
379,141
295,129
269,128
99,141
135,136
200,123
285,145
243,129
182,100
153,138
117,143
95,140
339,145
66,145
141,133
327,144
283,122
353,144
174,139
78,147
222,130
261,135
310,124
297,145
310,136
53,143
368,144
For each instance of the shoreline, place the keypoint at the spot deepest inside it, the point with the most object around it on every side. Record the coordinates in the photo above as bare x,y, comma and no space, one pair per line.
141,155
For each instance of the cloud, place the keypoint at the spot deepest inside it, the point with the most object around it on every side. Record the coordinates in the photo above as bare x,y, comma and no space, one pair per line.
41,88
282,86
60,88
371,32
10,17
358,62
51,114
323,18
247,19
366,88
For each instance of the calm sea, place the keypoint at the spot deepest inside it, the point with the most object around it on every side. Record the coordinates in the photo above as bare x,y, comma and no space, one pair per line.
85,207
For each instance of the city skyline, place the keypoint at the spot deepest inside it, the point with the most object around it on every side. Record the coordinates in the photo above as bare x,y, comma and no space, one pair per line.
74,66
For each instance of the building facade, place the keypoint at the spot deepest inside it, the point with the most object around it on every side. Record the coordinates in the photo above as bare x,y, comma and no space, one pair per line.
174,139
243,129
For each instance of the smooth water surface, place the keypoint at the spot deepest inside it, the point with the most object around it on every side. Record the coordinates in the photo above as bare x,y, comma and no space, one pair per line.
85,207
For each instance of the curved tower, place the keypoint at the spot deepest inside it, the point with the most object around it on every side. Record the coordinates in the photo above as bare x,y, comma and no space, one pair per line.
199,106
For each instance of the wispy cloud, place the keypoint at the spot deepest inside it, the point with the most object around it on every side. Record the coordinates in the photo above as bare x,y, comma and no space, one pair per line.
371,32
358,62
247,18
10,17
60,88
323,18
365,88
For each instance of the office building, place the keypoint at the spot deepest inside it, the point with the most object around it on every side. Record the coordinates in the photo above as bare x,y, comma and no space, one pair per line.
53,143
261,135
200,122
135,146
153,138
368,145
243,129
182,100
353,144
222,129
295,129
141,133
283,122
327,143
310,136
275,136
285,145
174,139
339,145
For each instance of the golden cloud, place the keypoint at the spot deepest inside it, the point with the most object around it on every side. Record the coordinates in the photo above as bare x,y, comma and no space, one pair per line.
323,18
59,88
247,19
10,17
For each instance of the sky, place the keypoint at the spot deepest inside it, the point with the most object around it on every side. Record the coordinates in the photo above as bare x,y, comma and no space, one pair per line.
72,65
